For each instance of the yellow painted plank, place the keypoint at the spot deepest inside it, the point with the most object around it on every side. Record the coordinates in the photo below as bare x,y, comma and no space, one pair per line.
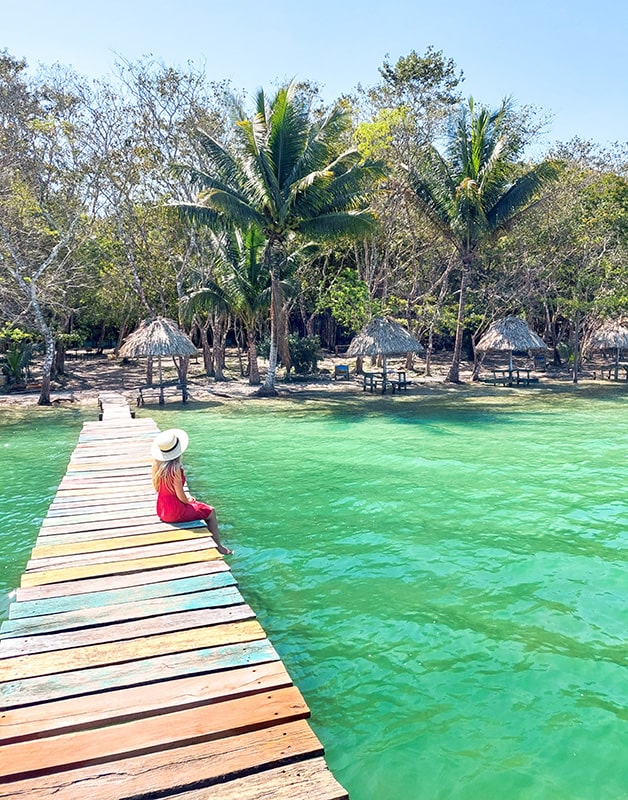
117,543
76,573
20,667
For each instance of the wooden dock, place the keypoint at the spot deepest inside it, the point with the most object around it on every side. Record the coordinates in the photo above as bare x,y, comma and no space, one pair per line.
130,665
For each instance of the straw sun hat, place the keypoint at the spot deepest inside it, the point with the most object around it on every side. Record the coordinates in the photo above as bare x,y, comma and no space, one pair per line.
169,444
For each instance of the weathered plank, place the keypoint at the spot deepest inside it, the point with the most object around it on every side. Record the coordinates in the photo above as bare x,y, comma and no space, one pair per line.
108,615
206,763
70,609
19,667
114,567
123,705
304,780
174,728
57,597
122,554
74,547
147,527
109,515
39,689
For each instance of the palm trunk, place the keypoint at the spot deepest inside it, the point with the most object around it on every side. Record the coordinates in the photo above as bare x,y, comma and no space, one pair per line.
272,257
454,370
576,347
254,379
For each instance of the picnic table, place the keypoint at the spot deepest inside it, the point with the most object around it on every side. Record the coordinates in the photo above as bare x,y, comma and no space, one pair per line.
516,375
159,392
397,380
613,371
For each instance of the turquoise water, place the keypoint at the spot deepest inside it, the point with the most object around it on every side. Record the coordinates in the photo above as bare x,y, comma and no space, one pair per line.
445,580
35,447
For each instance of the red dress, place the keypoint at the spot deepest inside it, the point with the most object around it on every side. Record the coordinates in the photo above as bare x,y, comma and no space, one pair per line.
171,509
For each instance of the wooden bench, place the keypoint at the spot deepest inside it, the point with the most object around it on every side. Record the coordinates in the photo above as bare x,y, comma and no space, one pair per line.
612,373
159,393
341,372
508,377
400,382
396,380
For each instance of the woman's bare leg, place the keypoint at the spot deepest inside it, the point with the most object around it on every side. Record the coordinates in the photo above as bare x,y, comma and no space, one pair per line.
212,525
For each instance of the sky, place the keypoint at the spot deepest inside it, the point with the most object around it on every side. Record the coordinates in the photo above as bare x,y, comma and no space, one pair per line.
566,58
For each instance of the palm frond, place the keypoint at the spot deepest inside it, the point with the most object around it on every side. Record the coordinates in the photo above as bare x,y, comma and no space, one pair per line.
521,193
240,213
199,214
337,224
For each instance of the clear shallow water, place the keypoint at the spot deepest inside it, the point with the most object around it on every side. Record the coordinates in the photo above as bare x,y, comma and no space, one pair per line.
35,447
445,581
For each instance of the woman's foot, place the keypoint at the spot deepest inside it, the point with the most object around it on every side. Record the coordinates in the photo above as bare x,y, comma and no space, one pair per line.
225,551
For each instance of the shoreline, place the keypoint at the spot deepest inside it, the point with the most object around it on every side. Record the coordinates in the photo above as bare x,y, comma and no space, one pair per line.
85,380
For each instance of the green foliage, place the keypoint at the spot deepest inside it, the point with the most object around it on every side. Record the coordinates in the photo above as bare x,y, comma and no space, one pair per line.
14,336
348,299
70,339
304,353
16,362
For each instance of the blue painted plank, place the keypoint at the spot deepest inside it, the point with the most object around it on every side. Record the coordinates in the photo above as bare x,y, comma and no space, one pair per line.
111,597
86,618
136,673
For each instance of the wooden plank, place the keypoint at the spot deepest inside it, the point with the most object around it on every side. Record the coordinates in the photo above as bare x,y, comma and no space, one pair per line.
112,589
175,728
19,667
206,763
122,631
123,554
116,543
69,610
120,528
107,514
115,567
59,512
82,682
109,615
114,532
123,705
304,780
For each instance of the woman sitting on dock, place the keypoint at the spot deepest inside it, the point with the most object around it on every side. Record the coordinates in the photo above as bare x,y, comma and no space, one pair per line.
173,505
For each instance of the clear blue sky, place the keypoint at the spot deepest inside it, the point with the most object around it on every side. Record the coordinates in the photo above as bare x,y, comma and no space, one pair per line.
569,58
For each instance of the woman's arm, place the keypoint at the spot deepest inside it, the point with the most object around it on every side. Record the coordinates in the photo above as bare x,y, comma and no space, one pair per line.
178,488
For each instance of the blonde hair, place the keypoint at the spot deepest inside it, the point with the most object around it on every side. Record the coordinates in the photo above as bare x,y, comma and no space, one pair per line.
164,472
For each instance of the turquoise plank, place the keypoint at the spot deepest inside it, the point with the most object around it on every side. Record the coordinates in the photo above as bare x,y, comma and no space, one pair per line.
135,673
86,618
110,597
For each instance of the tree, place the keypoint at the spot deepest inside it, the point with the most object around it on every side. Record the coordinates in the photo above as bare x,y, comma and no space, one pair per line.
286,175
48,194
477,189
241,286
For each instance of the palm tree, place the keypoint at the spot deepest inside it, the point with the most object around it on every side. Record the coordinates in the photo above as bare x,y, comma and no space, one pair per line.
241,286
285,174
477,189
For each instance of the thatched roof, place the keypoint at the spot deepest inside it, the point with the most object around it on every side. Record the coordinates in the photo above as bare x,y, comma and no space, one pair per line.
609,334
510,333
383,337
157,337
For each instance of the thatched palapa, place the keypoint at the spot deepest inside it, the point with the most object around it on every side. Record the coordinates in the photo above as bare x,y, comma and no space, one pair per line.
158,337
510,333
608,335
384,337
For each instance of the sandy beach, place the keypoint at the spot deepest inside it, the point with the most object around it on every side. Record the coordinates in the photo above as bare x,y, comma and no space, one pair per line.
86,377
